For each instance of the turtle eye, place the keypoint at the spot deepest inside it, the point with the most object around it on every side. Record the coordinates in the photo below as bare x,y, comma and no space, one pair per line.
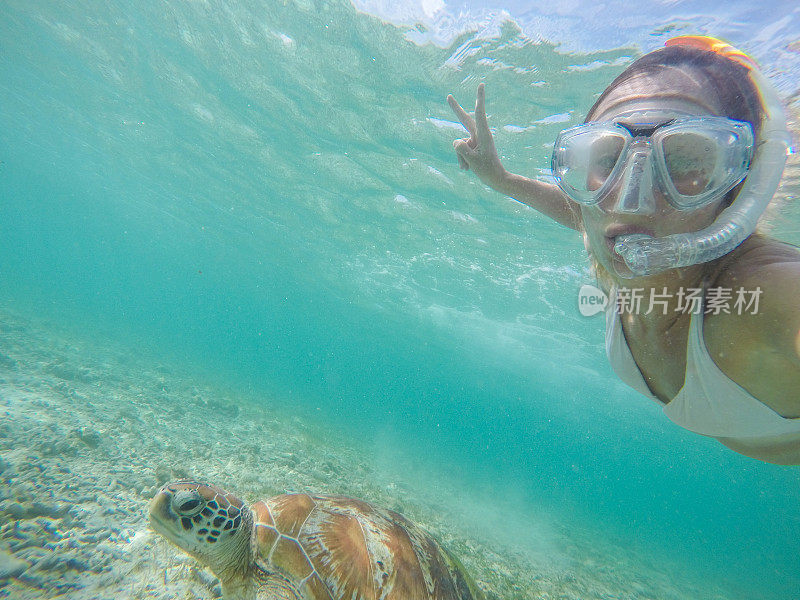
190,505
187,503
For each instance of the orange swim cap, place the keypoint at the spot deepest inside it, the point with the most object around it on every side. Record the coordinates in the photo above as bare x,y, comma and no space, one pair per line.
710,44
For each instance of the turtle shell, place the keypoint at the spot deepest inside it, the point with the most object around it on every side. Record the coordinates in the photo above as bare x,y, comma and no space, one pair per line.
333,547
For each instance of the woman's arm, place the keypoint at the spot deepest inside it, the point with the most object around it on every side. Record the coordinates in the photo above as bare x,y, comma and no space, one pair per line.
478,153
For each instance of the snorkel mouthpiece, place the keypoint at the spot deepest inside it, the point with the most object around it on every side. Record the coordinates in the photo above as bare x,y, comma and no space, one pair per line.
645,255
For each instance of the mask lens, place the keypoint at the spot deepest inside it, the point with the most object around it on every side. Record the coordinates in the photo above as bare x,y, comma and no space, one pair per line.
603,157
691,160
584,159
702,159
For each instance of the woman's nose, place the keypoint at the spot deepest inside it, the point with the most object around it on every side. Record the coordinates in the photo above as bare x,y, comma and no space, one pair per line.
633,192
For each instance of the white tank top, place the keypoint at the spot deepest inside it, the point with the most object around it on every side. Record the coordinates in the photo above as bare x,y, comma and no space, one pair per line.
709,403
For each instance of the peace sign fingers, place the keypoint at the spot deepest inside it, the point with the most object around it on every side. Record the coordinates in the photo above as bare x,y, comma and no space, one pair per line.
482,129
477,153
466,119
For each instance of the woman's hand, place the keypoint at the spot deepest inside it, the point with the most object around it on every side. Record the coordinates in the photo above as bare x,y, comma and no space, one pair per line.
477,152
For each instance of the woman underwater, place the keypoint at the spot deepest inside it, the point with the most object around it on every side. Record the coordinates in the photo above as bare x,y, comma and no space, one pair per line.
666,179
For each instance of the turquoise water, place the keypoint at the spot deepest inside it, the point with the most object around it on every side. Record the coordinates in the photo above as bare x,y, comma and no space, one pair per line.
265,194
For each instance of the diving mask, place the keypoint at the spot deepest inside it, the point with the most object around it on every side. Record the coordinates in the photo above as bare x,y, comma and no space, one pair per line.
691,160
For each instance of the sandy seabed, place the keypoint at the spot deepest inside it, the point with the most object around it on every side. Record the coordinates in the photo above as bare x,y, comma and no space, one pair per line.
89,431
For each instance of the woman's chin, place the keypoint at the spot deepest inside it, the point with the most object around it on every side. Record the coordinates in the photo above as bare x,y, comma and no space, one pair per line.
614,264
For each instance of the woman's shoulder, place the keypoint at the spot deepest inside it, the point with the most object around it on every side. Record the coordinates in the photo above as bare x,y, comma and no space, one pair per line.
769,270
767,273
757,341
754,260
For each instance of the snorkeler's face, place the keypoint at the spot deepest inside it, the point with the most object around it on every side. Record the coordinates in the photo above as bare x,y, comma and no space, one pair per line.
640,207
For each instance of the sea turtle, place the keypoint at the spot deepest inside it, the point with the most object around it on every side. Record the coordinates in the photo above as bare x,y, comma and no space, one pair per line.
307,547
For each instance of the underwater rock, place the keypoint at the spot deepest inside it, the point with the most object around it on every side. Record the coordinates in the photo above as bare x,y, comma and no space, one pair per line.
165,473
7,363
31,510
57,447
89,437
290,458
329,468
69,372
11,566
93,538
228,410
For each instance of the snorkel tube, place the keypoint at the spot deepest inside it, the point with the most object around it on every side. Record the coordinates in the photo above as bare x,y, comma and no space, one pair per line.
645,255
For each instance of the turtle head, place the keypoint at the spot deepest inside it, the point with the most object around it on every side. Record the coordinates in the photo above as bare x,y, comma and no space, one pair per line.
207,522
